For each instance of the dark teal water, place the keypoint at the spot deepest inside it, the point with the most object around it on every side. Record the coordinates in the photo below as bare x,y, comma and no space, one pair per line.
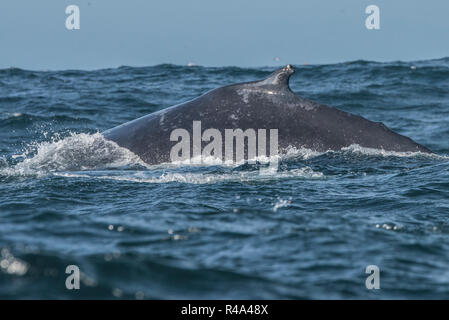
67,196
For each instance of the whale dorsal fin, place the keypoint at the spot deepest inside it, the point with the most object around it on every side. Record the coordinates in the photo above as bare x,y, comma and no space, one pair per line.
279,78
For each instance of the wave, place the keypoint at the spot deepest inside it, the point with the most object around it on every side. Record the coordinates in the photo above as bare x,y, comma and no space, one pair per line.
359,150
80,151
201,178
23,120
443,61
92,152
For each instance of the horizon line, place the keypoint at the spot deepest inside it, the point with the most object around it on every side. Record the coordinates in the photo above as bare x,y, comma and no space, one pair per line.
194,65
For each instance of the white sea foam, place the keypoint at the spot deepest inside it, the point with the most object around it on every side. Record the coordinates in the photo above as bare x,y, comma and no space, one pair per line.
357,149
305,154
199,178
301,153
214,161
281,203
75,152
92,152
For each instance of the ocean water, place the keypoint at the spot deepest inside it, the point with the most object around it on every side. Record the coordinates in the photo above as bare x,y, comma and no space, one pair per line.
69,197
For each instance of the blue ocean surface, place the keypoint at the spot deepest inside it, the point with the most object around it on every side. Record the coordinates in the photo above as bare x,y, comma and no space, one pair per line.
309,230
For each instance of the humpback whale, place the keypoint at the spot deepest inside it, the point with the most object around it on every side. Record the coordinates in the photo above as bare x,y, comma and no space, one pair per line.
267,104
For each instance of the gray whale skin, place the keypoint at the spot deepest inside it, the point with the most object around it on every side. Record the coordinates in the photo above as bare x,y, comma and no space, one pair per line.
265,104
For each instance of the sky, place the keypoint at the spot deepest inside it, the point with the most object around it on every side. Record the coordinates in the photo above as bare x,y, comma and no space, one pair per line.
33,34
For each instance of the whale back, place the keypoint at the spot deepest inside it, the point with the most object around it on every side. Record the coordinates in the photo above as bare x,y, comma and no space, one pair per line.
259,105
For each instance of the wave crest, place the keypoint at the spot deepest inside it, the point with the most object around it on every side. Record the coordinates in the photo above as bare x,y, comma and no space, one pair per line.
80,151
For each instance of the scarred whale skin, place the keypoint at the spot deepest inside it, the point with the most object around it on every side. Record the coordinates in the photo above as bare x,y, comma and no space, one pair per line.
266,104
